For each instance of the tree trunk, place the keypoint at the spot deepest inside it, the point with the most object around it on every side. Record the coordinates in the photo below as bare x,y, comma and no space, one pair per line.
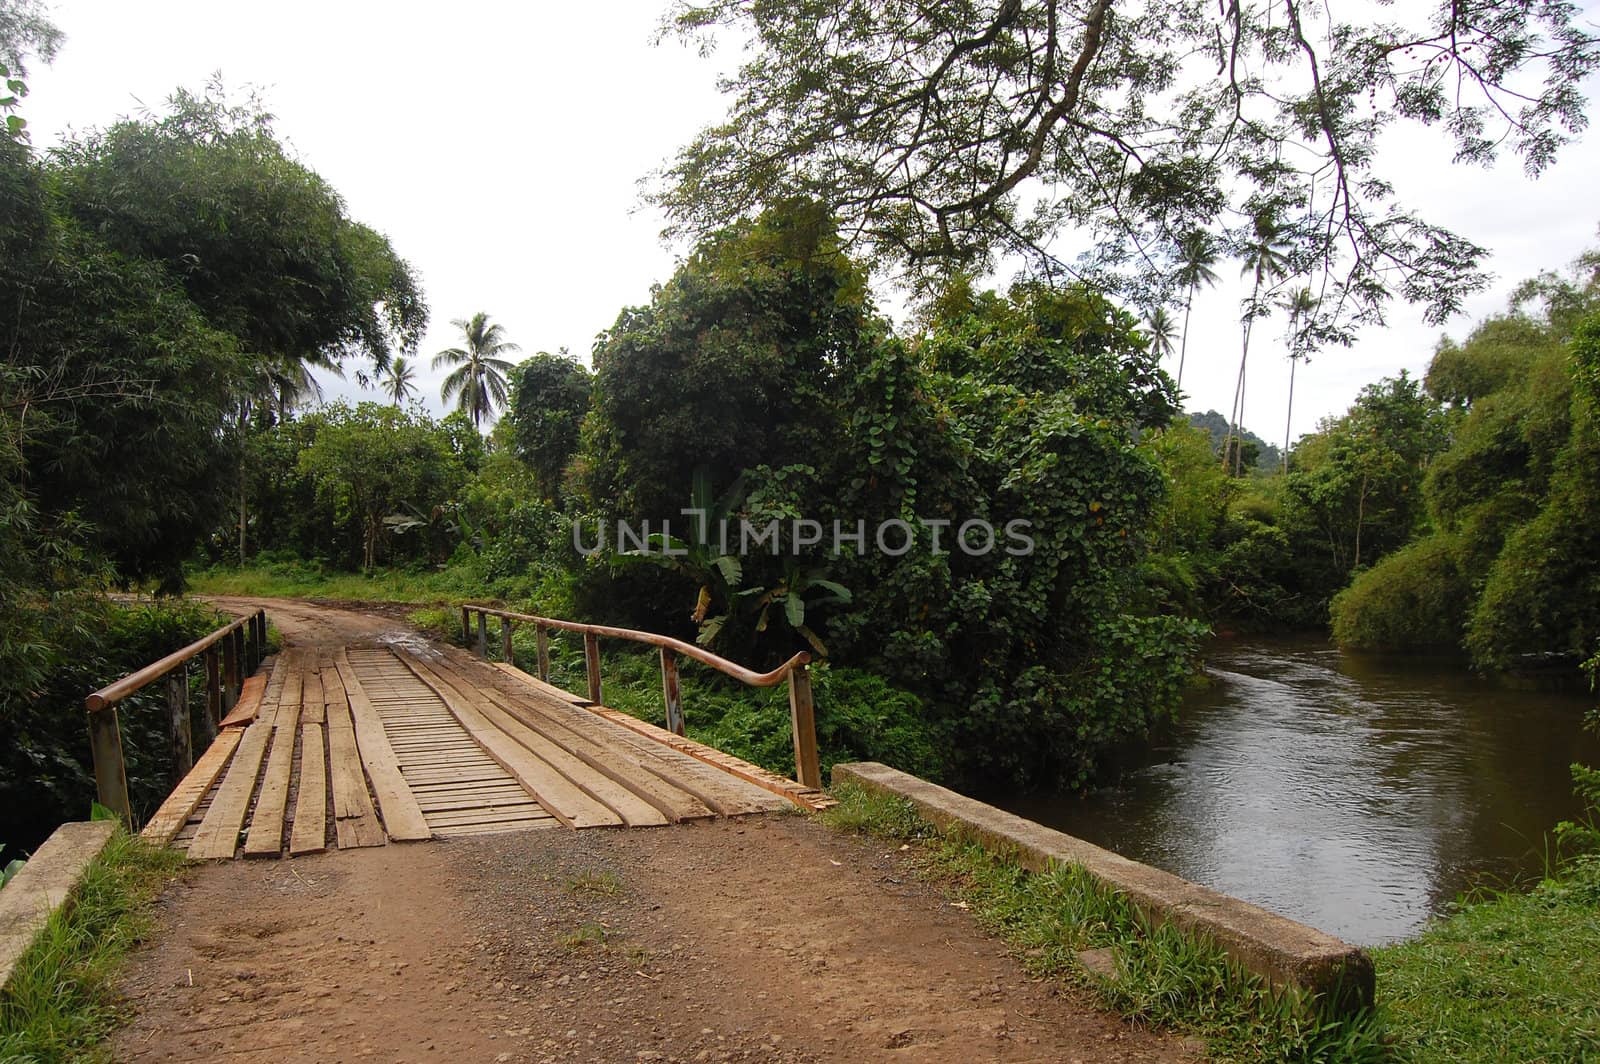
1183,345
1288,418
243,513
1361,516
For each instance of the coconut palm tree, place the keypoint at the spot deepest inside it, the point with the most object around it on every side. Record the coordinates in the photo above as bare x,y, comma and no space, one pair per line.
400,382
1264,258
479,381
1301,304
1158,327
1196,256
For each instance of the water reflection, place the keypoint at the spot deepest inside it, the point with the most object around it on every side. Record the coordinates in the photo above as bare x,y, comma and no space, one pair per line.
1359,795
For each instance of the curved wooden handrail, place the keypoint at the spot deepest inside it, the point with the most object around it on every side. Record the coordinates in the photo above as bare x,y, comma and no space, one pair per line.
688,650
115,692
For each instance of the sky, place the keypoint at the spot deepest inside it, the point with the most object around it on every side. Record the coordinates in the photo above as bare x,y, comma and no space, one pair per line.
500,146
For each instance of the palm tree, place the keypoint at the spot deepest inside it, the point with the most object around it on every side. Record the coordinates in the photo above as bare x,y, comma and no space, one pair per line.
1301,304
1158,327
1196,256
1263,257
399,384
479,381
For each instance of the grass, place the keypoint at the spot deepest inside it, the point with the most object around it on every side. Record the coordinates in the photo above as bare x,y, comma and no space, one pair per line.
603,884
308,580
1164,977
61,1002
1515,976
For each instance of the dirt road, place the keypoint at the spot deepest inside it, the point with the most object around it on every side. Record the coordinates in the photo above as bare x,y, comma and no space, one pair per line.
768,939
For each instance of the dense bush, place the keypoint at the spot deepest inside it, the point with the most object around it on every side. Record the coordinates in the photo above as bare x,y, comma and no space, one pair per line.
46,775
761,367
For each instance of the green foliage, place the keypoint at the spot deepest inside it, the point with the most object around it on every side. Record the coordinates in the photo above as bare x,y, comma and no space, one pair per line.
259,242
760,360
1165,977
371,462
478,382
549,398
81,642
61,1001
1512,977
1412,600
950,139
1512,564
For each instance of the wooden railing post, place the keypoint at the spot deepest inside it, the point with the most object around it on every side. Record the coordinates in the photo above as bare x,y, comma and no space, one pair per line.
110,771
670,693
542,636
466,627
213,695
802,716
591,664
230,673
505,641
252,654
178,714
260,622
483,635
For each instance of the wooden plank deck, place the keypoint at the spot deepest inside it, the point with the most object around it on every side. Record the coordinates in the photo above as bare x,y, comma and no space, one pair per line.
371,745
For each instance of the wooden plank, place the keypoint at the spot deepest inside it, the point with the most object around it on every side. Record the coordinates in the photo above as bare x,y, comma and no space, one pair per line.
633,803
186,797
355,822
218,835
402,819
717,785
310,831
615,761
311,698
248,707
265,838
564,800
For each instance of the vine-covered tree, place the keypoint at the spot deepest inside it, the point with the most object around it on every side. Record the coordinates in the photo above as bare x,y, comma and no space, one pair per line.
953,135
549,397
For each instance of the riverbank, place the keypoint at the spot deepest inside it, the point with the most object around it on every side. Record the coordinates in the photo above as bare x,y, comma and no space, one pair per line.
1513,977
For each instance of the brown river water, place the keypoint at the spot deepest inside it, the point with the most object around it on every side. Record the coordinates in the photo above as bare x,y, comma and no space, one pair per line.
1360,795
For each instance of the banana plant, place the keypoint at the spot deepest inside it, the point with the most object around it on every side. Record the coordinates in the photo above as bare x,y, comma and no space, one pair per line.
792,596
699,556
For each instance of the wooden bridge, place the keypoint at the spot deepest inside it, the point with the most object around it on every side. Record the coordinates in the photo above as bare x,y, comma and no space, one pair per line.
400,740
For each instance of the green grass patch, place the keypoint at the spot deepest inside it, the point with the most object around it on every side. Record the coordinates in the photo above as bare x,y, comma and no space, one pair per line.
605,884
1164,976
1511,977
61,1001
310,580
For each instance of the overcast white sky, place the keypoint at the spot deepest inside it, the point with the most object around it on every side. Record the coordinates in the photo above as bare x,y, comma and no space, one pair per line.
499,146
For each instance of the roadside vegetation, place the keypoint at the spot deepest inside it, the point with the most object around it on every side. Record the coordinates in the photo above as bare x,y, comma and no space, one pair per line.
1162,976
61,1000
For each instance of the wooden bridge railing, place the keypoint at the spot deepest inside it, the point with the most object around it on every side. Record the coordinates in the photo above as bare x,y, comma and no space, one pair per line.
232,652
802,714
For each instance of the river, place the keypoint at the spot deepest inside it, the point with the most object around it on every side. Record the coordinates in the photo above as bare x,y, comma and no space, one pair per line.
1357,794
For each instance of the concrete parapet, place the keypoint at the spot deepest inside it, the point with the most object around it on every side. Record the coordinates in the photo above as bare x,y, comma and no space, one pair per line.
1285,952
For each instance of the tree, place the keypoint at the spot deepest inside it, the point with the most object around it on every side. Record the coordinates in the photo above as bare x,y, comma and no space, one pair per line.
1301,305
479,382
399,380
374,461
1158,327
1264,261
549,398
949,136
1196,256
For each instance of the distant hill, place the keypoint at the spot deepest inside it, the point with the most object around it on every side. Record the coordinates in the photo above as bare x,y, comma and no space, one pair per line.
1267,456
